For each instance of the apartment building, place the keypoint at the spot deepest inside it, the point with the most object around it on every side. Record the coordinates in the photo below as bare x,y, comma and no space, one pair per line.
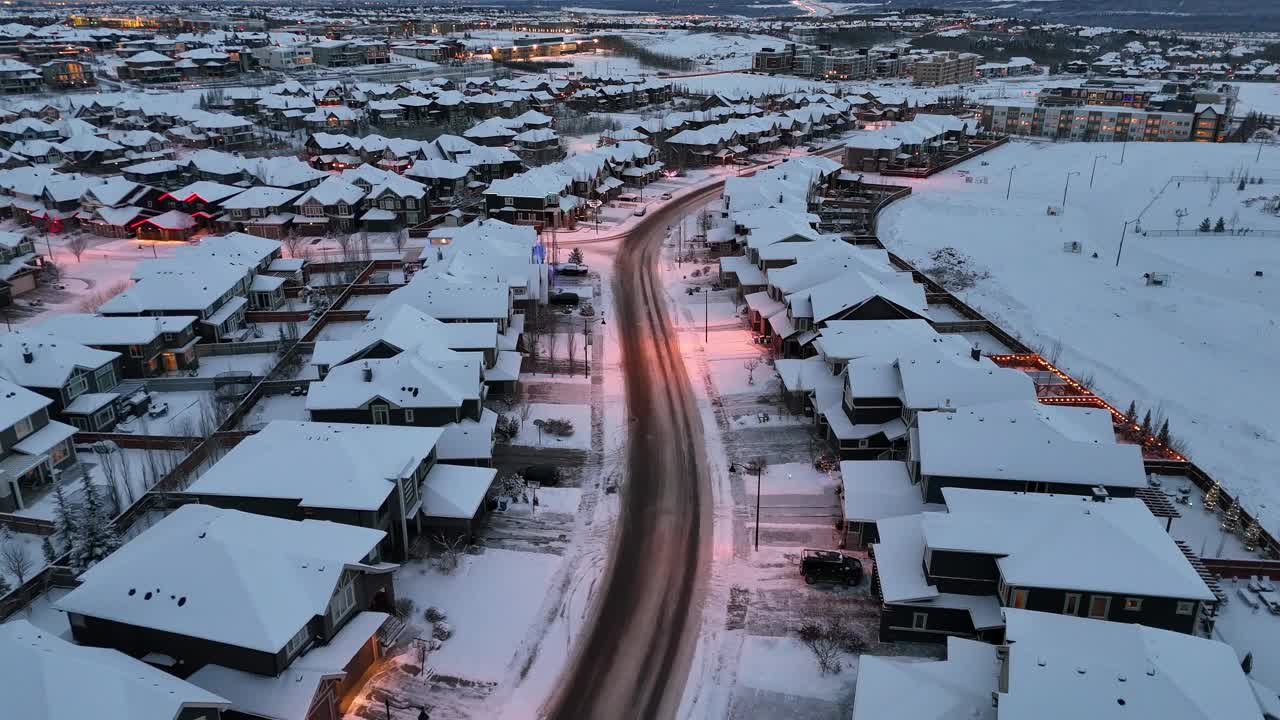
287,57
945,68
1098,122
824,61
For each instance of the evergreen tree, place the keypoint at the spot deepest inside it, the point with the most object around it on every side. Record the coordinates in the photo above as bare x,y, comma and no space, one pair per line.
1163,435
1243,181
1247,663
46,547
1132,413
1146,423
1205,226
64,518
1221,225
4,586
575,256
95,538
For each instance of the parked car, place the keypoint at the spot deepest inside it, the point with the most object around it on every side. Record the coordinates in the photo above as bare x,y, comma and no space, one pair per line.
542,474
159,409
665,196
639,212
571,269
564,298
829,566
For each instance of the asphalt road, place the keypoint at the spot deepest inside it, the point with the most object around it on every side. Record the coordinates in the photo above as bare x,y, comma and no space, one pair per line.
635,660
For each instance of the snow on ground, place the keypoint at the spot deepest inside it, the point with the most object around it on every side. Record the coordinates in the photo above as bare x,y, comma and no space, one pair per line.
1200,349
255,363
186,409
599,62
1250,630
131,471
762,657
709,50
278,407
42,614
744,83
531,436
1258,97
488,619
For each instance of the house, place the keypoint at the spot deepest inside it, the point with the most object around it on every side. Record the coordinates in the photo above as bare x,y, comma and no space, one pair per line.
427,387
147,346
78,379
373,476
538,197
191,588
262,210
110,683
329,206
90,152
445,180
19,265
171,226
202,198
149,68
403,329
395,202
167,174
871,491
949,573
538,146
491,250
28,129
216,293
1023,446
1056,666
18,78
67,74
34,450
449,300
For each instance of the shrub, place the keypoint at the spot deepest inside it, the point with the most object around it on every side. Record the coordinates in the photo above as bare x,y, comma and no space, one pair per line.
404,608
559,427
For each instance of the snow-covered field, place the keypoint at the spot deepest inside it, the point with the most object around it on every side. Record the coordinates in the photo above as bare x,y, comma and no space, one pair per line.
1259,97
1200,349
531,436
710,50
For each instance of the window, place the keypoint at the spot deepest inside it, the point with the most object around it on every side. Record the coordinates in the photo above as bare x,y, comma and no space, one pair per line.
135,351
381,416
23,427
409,488
296,642
1186,607
77,385
919,620
408,416
1099,606
410,203
1020,598
103,417
1133,604
313,210
863,443
509,202
344,209
388,203
1071,605
105,377
342,602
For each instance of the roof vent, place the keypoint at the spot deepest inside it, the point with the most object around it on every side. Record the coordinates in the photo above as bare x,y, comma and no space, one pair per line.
1121,677
1080,670
1041,661
27,356
976,353
366,373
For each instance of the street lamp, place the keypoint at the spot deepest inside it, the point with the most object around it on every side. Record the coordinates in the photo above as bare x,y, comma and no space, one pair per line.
423,714
1095,168
1123,231
1066,185
757,468
1009,190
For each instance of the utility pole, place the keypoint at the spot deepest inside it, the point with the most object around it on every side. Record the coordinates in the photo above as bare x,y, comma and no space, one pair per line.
706,318
759,469
1123,146
1066,185
1123,231
1009,190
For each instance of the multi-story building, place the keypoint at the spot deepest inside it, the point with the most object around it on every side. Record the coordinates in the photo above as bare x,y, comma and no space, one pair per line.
1099,122
33,448
945,68
823,61
17,77
66,74
286,57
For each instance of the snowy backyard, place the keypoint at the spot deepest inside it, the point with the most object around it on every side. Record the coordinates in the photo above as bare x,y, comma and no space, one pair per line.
1197,347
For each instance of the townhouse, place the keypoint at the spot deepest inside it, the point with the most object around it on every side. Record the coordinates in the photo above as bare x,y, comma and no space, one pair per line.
147,346
35,451
78,379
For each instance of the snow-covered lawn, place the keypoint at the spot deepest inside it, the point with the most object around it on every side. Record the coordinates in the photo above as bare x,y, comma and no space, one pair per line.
491,601
1201,348
254,363
1250,630
747,84
278,407
531,436
763,657
1259,97
132,471
29,545
187,412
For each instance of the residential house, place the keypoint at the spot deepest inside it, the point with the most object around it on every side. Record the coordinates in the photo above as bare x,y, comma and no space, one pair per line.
165,174
950,573
67,74
214,292
19,265
171,226
374,476
330,206
395,202
190,589
18,78
404,329
34,450
147,346
427,387
149,68
538,146
264,211
78,379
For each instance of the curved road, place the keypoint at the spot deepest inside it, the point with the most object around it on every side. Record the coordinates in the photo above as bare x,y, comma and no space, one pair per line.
635,659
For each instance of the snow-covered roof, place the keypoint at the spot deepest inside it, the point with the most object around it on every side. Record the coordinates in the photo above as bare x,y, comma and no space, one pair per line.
455,491
448,299
468,440
206,190
108,683
425,378
17,403
942,380
331,192
1067,542
876,489
405,328
172,220
325,465
53,358
1014,441
232,577
98,330
1097,669
951,689
261,197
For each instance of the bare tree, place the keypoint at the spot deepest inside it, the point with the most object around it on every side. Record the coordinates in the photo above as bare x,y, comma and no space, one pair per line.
400,239
294,243
552,341
829,634
77,244
91,302
572,349
751,366
15,561
450,551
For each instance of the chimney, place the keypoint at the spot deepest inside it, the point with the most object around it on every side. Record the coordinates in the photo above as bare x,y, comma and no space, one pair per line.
976,353
366,373
27,356
1100,494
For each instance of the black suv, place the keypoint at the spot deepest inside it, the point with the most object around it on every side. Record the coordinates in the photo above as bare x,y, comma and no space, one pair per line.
829,566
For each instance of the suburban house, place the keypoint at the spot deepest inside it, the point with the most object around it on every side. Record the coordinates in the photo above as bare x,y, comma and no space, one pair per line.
263,211
78,379
19,267
109,683
403,329
453,300
34,450
985,447
216,293
148,346
426,387
149,68
375,476
330,206
1078,667
950,573
192,590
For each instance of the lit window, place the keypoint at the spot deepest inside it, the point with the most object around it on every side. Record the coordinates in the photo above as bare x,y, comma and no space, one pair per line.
1133,604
